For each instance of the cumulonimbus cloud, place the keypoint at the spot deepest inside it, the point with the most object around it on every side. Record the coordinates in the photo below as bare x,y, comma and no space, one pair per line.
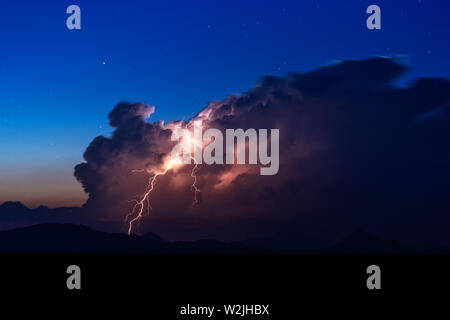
355,150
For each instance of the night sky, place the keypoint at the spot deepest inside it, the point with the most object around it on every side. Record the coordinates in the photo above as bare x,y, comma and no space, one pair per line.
57,86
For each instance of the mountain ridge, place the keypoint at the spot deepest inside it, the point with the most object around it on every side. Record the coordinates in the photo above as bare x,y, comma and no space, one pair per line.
60,238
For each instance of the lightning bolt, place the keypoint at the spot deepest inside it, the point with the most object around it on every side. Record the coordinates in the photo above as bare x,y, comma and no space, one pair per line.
144,200
140,204
194,187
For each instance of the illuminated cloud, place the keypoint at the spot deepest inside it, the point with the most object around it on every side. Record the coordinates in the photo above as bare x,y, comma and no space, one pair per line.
354,151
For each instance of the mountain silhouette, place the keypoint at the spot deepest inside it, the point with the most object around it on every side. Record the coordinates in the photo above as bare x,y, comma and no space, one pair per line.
153,236
15,206
360,241
289,241
15,214
12,211
71,238
51,230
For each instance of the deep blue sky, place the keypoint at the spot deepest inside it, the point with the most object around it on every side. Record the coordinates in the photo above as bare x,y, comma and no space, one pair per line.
58,85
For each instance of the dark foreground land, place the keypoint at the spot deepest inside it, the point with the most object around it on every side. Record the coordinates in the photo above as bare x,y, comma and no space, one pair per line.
162,276
58,238
162,284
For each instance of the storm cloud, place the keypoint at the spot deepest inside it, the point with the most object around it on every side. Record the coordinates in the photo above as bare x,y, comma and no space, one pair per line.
355,151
